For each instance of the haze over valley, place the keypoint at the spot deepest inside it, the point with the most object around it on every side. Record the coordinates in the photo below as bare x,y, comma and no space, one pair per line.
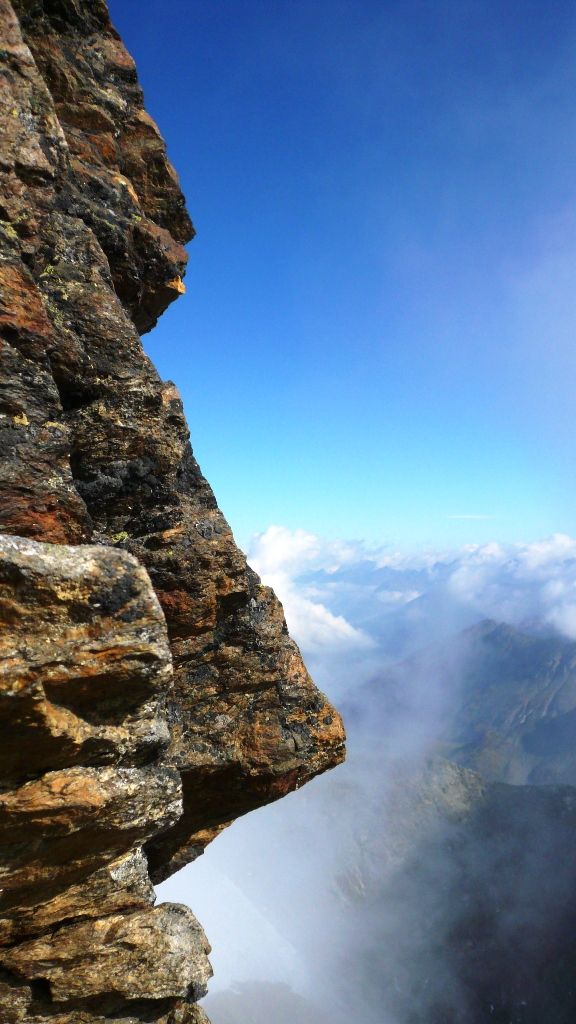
411,881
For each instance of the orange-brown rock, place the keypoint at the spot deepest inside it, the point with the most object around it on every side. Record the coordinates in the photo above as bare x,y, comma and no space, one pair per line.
94,450
85,670
247,722
122,885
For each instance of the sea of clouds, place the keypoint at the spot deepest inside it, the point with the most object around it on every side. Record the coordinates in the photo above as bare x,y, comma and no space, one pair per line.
354,610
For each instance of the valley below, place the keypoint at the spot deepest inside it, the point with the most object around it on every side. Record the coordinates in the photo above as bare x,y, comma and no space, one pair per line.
432,878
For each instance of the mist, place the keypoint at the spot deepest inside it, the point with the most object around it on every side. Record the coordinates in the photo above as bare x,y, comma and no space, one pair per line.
428,880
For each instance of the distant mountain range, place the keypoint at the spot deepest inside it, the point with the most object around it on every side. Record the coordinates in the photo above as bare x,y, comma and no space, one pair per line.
516,715
463,901
505,702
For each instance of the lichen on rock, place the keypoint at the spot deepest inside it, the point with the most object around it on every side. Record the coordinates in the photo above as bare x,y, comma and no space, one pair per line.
149,690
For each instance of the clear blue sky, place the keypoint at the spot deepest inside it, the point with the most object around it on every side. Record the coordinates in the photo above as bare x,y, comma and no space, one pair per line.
380,321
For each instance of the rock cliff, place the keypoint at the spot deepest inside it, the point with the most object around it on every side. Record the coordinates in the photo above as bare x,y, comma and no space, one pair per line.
149,690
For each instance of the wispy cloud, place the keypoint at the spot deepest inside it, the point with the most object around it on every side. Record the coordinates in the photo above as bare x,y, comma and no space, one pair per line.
354,610
473,517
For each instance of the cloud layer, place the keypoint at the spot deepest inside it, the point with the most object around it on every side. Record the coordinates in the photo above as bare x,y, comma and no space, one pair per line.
354,609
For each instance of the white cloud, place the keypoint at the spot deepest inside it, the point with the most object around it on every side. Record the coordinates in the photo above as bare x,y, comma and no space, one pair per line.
335,611
316,626
397,598
280,555
279,549
520,581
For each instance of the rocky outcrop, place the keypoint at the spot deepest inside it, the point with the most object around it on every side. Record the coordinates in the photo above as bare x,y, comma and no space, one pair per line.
112,759
85,670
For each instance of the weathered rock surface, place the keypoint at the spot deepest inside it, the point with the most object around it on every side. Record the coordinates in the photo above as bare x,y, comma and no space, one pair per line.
78,683
96,446
157,953
100,760
121,885
85,671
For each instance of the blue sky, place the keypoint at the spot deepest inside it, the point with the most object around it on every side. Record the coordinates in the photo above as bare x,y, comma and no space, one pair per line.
378,335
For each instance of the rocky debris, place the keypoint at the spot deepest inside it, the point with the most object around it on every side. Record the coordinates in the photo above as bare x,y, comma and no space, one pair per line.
101,766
